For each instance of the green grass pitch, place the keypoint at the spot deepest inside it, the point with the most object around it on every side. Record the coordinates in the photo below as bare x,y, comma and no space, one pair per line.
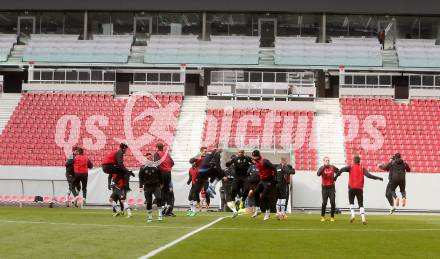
74,233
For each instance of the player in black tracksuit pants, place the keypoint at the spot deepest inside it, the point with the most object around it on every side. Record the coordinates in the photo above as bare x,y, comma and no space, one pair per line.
209,169
284,171
397,168
240,165
150,181
328,174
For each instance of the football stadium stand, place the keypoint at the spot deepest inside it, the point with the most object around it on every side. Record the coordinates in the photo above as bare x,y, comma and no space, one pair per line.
410,128
418,53
292,131
68,48
29,137
239,50
7,42
341,51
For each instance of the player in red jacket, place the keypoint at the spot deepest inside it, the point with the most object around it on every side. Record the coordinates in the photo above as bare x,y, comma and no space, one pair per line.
328,173
165,168
81,166
356,186
267,173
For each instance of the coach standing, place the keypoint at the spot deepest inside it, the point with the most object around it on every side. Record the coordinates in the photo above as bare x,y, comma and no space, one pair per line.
328,173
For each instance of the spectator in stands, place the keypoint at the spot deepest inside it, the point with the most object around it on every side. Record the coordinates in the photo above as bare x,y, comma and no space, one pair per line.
267,172
284,171
81,166
165,168
397,168
381,38
70,175
356,186
328,174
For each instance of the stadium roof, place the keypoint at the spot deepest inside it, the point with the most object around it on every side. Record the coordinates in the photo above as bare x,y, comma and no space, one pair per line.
410,7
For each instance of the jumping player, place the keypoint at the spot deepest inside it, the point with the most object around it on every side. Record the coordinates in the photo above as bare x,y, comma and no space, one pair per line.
209,169
328,174
119,194
165,168
284,171
397,168
81,166
150,182
267,172
356,186
113,163
240,165
193,171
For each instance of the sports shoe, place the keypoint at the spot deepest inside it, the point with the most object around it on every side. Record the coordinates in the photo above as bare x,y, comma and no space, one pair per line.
266,216
75,202
193,214
67,203
129,215
284,216
397,201
278,216
332,219
364,222
241,206
159,218
352,220
403,202
149,220
171,214
235,214
188,212
392,210
256,213
116,214
322,219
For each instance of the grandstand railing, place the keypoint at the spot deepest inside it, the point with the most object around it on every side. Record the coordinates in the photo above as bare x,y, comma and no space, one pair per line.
366,84
424,86
255,84
71,76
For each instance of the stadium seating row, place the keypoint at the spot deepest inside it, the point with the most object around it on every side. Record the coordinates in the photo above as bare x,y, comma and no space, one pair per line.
30,135
67,48
7,42
410,129
255,134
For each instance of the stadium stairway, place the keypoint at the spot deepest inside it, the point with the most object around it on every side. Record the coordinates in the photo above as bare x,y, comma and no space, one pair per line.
390,58
267,56
17,54
8,103
137,55
329,131
189,131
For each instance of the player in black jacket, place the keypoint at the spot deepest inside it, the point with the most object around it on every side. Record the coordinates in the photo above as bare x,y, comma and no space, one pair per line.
284,171
209,169
397,168
150,182
240,165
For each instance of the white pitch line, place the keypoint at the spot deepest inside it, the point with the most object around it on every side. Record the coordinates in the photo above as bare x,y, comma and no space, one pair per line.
91,225
366,229
180,239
